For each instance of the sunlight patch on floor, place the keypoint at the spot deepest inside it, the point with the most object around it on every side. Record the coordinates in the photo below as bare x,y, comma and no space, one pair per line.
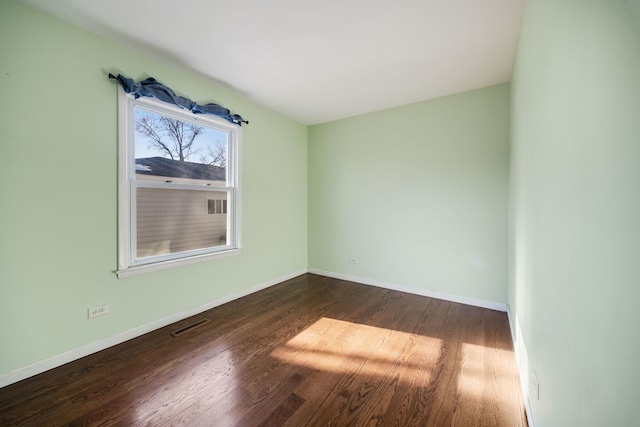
337,346
472,378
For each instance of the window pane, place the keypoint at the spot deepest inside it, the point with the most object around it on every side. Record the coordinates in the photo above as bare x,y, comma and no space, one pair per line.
211,206
170,221
168,149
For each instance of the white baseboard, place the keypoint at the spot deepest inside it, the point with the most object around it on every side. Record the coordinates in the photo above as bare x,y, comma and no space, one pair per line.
77,353
416,291
521,370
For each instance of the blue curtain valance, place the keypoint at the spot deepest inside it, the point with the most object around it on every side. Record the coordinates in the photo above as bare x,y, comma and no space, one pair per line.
150,87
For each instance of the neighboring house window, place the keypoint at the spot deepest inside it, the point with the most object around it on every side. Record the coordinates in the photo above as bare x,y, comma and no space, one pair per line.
171,163
216,206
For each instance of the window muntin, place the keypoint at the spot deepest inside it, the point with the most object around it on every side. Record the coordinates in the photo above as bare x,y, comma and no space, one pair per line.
174,167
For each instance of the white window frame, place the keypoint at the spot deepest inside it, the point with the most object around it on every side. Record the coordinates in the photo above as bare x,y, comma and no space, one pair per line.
128,265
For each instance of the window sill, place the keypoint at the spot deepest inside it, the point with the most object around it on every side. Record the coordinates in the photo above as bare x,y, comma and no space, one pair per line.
136,270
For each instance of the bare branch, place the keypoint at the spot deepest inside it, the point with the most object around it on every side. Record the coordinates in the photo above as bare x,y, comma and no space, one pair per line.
172,137
216,155
148,126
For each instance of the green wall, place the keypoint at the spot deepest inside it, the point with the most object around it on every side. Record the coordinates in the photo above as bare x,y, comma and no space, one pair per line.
574,276
58,198
418,194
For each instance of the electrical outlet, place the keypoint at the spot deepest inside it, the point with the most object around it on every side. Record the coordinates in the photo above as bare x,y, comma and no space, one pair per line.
98,311
536,385
353,260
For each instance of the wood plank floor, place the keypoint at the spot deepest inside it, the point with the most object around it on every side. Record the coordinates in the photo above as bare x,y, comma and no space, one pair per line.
312,351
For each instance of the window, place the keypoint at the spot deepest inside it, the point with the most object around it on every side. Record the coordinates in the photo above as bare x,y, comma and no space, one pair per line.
172,163
216,206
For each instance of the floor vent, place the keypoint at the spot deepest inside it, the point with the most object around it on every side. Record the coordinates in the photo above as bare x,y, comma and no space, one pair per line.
190,327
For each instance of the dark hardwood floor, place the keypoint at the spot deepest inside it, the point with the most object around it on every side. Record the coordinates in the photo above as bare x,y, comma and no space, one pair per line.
312,351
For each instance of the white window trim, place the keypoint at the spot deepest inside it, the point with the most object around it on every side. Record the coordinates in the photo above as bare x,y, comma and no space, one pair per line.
127,266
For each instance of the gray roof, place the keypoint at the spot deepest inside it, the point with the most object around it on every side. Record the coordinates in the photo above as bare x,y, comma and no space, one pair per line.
159,166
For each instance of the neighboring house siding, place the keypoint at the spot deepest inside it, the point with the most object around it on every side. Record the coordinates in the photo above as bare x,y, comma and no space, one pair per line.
159,210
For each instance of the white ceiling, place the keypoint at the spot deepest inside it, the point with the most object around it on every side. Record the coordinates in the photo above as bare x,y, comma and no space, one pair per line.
317,61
